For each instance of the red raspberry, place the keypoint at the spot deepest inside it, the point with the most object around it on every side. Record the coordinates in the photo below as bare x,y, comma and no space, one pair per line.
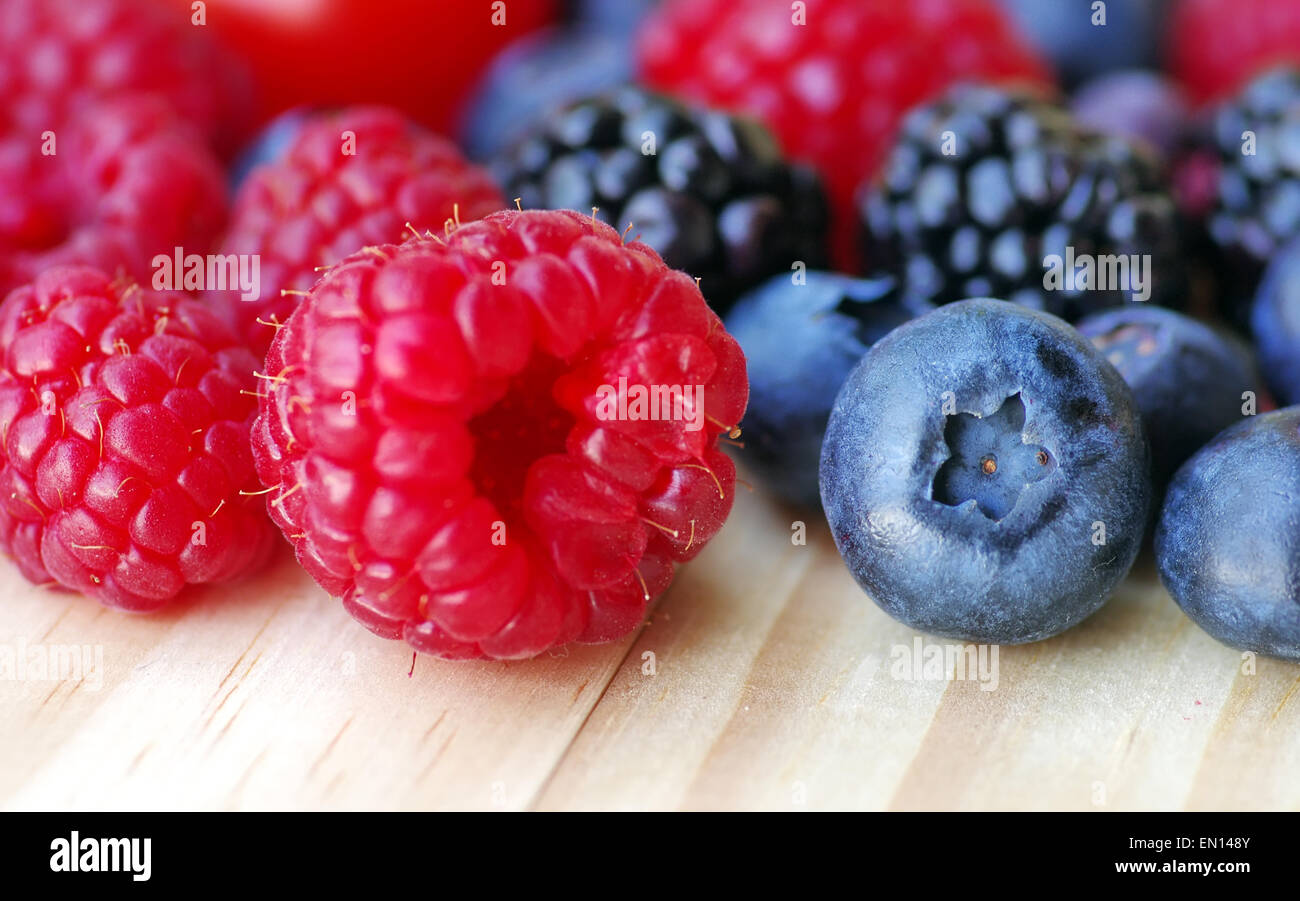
834,89
440,458
1216,46
318,204
125,416
58,57
422,57
127,181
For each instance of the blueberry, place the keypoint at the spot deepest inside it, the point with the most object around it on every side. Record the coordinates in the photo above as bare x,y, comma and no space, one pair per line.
1228,545
271,142
1134,104
537,74
621,18
1189,379
985,474
1275,322
1064,31
800,343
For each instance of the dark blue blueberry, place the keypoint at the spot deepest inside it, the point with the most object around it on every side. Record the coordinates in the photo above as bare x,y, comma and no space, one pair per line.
1228,543
1134,104
985,474
270,143
619,17
1064,32
537,74
1189,379
1275,322
800,343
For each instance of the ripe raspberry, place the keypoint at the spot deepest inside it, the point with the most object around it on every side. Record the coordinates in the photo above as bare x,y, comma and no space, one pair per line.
440,455
59,57
125,416
1216,46
421,57
126,182
834,89
331,194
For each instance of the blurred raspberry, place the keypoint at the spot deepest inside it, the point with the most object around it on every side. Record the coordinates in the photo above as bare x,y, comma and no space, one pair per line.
418,56
126,181
125,415
835,88
58,57
347,179
1216,46
439,453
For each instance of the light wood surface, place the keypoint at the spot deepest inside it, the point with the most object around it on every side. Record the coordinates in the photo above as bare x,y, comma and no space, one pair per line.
763,680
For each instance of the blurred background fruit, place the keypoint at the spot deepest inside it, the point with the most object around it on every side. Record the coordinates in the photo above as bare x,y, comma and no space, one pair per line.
536,75
310,206
1254,141
1083,39
1188,378
1276,324
832,82
57,57
984,185
411,54
1137,104
710,192
801,340
1215,46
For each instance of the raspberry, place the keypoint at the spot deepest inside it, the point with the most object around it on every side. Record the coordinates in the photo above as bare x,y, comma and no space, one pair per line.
59,57
125,416
1216,46
834,89
320,203
420,57
438,454
126,182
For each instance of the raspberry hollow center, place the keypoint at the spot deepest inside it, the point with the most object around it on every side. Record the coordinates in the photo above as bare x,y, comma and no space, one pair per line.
521,428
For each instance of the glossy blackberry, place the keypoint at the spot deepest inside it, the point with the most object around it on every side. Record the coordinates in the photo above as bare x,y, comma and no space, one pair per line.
710,192
1256,207
984,185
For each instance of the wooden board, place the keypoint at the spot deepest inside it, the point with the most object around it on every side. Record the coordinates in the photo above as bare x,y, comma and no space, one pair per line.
764,679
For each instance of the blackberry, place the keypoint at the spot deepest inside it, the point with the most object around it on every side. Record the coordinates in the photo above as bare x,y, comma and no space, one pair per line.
1256,204
710,192
984,185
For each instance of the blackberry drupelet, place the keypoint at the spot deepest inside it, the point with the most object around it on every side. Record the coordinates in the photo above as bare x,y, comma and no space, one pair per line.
1256,207
984,184
709,191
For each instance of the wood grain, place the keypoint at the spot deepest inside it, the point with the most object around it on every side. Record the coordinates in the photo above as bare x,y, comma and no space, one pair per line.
763,680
